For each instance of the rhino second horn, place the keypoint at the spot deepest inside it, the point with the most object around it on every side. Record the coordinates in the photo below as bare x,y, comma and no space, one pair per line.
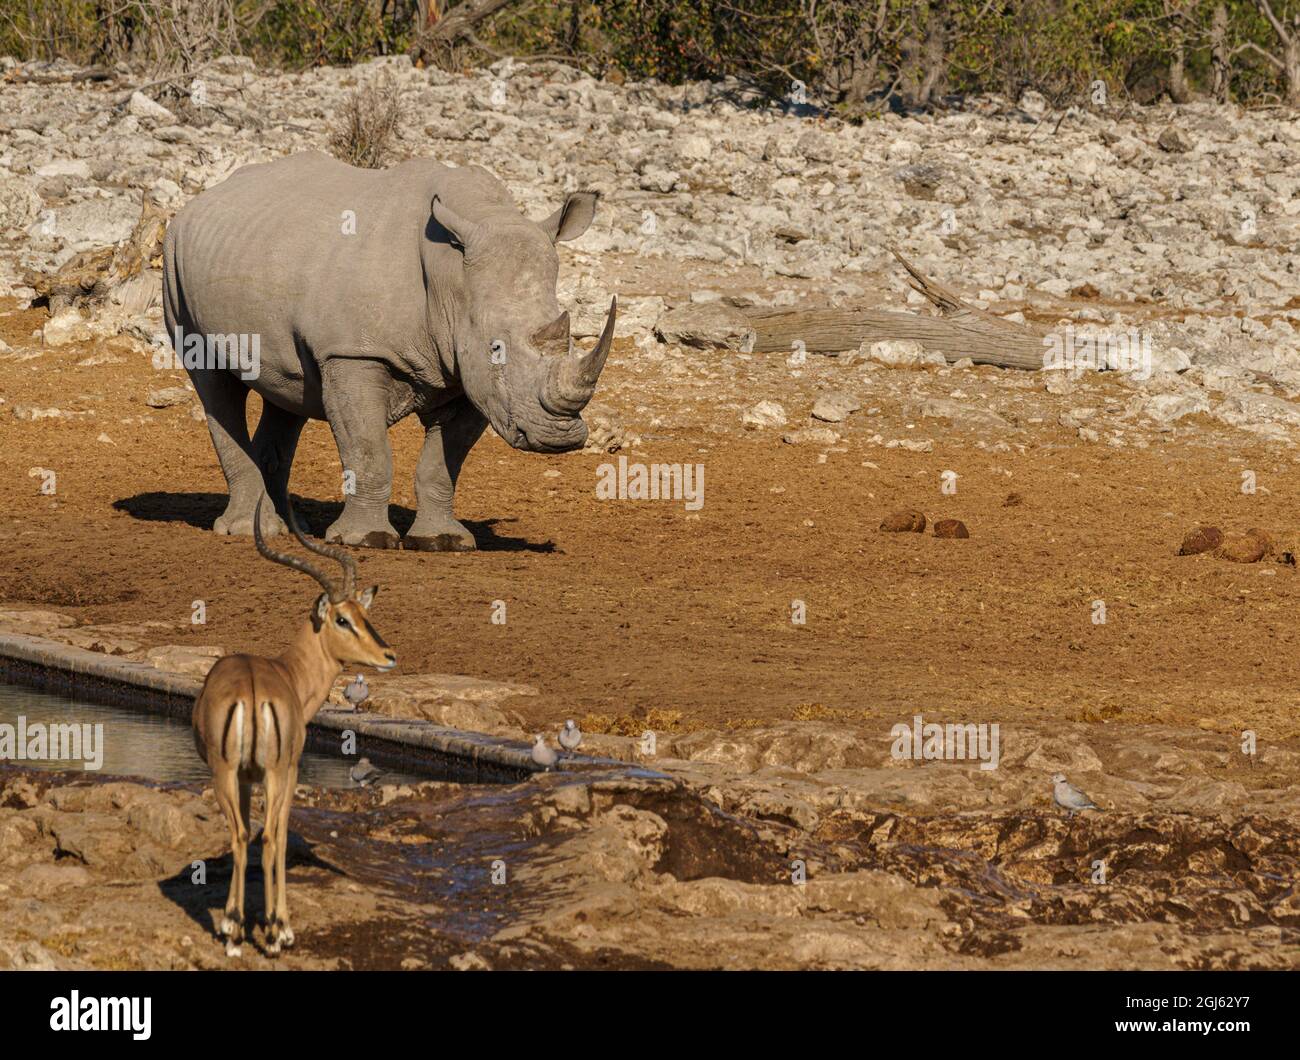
556,331
572,380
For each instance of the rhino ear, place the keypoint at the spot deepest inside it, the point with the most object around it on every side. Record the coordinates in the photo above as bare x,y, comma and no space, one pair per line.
573,218
462,231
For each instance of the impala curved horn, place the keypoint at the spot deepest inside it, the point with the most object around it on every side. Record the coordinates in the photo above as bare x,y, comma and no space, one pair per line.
342,556
327,583
572,379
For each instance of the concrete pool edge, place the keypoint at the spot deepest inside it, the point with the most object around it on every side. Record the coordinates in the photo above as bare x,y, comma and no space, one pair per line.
462,754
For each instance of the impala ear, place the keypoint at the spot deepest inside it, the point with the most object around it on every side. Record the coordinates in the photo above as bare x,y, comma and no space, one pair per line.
367,596
319,612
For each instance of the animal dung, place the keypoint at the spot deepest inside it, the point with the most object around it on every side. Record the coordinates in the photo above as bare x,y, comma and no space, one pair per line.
1250,547
908,522
1201,539
951,528
1013,500
1263,537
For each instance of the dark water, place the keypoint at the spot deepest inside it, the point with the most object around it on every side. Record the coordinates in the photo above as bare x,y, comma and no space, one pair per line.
135,743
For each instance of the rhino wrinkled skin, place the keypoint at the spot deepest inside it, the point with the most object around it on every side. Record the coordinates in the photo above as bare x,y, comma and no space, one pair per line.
373,295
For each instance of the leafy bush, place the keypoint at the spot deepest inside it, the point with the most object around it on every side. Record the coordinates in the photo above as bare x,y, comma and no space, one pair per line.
848,52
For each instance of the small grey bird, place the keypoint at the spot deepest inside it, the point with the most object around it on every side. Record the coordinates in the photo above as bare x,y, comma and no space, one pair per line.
1068,797
570,736
543,755
364,773
357,691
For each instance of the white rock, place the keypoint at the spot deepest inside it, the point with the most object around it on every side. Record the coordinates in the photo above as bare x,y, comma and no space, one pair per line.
96,222
1166,408
19,203
901,353
835,406
66,167
167,396
141,106
811,436
707,325
64,327
697,148
765,414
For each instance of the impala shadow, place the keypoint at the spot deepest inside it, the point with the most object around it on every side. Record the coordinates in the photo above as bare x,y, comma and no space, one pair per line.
204,902
201,511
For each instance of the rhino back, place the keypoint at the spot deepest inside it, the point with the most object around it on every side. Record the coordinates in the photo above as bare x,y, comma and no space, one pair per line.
270,252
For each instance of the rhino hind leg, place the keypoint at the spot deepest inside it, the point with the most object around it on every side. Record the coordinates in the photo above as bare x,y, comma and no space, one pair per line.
450,433
225,399
274,444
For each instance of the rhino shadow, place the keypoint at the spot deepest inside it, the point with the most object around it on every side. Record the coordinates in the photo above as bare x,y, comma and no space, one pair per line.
200,510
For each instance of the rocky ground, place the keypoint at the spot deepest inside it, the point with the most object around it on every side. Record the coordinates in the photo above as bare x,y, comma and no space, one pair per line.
1075,488
861,865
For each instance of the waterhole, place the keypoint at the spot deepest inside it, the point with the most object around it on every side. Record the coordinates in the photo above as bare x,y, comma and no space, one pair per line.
125,742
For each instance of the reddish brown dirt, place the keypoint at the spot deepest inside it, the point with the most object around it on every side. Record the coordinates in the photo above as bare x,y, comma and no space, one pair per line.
619,609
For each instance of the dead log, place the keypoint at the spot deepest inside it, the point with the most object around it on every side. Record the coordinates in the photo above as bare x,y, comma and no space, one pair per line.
19,76
454,25
93,276
960,330
465,16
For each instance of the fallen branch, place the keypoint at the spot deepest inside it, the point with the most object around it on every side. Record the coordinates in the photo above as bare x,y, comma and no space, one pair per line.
93,275
441,33
960,330
19,76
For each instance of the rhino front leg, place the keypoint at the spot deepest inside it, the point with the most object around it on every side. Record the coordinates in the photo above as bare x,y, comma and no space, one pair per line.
449,434
356,405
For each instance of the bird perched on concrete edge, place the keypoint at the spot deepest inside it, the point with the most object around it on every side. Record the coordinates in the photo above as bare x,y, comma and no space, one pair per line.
570,736
1068,797
357,691
544,755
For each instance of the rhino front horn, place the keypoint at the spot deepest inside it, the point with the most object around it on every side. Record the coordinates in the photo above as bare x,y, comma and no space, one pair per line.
572,379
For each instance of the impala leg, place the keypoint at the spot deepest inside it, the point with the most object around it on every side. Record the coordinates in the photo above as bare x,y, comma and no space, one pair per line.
245,815
271,858
281,880
226,786
246,829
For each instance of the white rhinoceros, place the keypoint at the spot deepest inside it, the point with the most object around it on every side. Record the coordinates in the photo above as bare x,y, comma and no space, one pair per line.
369,296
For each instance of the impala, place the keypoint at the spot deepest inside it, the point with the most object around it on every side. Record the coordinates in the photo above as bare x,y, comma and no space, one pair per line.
250,723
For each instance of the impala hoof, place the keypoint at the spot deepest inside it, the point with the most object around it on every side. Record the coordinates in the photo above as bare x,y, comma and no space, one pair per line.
233,949
227,926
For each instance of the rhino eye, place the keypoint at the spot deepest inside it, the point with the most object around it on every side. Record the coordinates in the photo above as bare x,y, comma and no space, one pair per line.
498,349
